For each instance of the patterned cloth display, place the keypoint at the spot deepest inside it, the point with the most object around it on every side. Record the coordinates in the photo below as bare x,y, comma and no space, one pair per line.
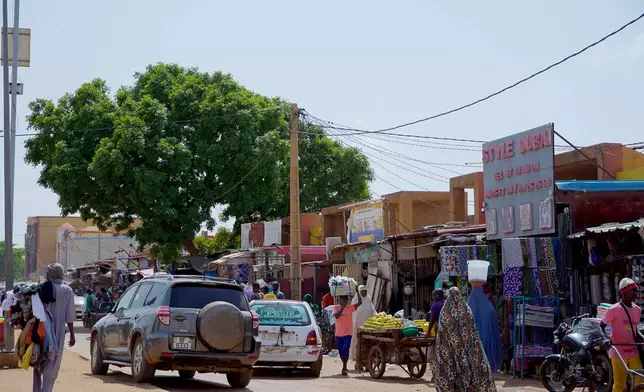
530,266
454,258
239,272
512,282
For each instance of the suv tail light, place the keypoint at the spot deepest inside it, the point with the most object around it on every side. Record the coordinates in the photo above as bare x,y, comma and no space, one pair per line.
255,319
163,314
312,339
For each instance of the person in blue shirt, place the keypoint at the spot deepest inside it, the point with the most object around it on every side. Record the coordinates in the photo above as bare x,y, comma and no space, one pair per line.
276,290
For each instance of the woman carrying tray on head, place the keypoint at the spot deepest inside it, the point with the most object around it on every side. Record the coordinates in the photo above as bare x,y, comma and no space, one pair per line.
343,314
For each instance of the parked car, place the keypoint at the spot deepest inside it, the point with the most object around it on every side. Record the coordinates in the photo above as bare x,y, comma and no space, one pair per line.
79,306
182,323
289,334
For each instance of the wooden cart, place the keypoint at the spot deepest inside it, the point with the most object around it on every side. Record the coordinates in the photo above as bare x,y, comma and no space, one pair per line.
378,347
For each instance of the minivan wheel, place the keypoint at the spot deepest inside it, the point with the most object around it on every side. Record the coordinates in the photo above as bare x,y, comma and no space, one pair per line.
142,370
187,374
240,380
97,365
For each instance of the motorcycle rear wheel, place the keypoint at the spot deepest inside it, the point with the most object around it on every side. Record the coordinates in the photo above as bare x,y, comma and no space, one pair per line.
555,383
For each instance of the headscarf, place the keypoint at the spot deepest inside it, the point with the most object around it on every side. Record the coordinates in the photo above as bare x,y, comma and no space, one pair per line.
364,312
307,298
460,362
55,273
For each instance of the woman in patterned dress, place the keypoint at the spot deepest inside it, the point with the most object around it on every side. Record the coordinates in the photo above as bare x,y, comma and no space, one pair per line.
461,364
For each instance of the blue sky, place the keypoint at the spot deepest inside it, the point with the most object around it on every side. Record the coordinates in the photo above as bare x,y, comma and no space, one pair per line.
369,64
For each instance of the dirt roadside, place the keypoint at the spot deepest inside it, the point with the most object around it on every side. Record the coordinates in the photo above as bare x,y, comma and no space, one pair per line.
75,376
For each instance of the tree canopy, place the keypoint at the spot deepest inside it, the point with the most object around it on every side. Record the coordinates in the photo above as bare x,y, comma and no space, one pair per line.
175,144
223,239
18,263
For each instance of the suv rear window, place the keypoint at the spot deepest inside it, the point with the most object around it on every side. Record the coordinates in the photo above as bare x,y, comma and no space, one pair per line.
282,313
198,296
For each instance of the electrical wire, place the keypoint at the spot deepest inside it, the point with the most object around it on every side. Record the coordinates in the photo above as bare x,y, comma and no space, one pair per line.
402,178
511,86
398,137
433,176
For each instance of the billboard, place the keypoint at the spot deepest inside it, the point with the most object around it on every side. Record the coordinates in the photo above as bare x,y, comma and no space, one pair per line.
518,176
365,223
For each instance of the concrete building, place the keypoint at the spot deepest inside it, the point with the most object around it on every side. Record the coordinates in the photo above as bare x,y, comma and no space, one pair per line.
402,212
620,162
47,237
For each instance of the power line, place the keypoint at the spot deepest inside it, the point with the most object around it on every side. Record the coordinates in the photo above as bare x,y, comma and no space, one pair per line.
513,85
398,137
404,179
402,156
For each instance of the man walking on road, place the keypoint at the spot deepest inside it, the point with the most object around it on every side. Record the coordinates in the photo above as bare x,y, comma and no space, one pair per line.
62,312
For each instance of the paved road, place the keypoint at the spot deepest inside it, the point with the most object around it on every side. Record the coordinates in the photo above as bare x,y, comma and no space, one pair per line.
282,380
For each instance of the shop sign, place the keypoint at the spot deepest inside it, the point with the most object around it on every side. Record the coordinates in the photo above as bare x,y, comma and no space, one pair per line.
362,255
518,176
365,223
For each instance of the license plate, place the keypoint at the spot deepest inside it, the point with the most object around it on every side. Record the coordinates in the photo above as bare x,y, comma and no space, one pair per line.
182,343
287,337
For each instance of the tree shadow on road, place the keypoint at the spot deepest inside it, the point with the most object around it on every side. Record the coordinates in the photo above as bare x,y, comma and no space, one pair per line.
383,380
278,373
119,378
168,383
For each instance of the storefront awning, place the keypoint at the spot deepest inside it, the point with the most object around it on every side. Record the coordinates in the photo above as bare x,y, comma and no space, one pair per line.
244,257
600,186
609,228
308,250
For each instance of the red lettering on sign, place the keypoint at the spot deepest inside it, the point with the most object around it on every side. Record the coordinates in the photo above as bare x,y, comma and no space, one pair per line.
498,151
535,141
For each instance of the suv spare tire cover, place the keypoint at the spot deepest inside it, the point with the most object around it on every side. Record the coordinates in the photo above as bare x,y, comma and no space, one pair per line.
220,326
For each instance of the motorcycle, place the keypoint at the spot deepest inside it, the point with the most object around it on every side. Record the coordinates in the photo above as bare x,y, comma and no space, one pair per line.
584,356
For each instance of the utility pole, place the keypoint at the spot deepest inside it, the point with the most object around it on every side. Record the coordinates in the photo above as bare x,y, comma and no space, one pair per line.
15,90
8,196
99,244
296,267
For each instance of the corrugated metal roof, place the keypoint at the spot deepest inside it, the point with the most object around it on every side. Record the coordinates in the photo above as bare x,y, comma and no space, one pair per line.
609,228
600,186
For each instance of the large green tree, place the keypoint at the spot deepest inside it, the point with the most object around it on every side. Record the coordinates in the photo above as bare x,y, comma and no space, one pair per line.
223,239
18,263
175,144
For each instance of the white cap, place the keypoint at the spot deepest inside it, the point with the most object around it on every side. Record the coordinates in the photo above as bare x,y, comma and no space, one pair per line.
624,283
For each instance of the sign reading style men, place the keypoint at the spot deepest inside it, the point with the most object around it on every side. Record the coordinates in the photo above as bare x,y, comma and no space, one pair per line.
518,176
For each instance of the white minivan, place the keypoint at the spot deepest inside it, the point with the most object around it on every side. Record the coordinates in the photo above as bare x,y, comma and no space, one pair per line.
289,334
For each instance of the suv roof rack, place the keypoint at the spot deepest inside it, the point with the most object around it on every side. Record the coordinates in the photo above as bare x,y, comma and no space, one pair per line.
165,275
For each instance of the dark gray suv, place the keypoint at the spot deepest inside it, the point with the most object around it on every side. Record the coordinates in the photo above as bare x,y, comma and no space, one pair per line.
185,323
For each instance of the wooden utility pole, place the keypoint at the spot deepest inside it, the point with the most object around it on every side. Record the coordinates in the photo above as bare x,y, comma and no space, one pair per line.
296,266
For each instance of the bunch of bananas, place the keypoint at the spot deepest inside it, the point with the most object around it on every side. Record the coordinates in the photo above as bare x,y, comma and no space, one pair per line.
383,321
